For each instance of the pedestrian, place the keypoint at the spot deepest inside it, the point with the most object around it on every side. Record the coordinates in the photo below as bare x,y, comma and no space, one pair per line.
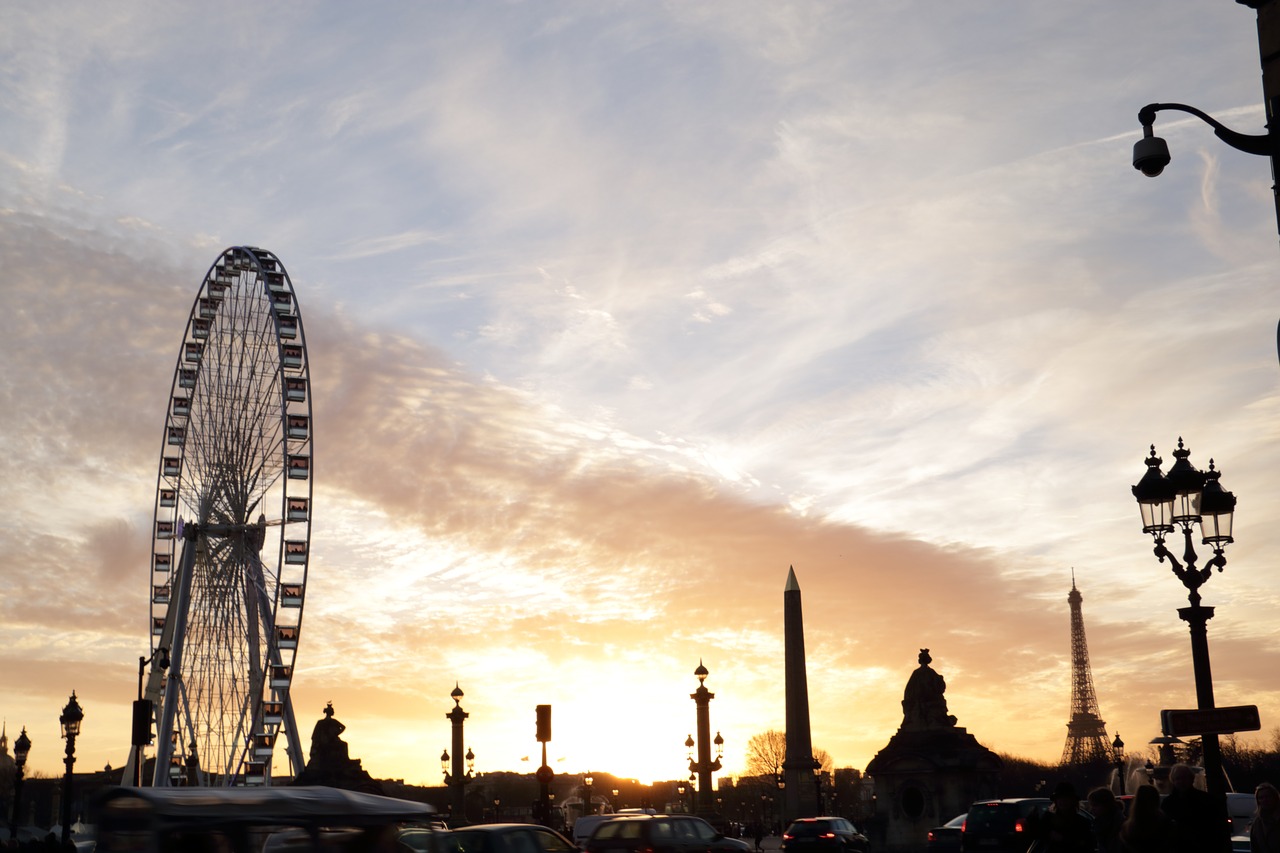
1062,829
1193,810
1107,818
1264,834
1147,829
757,831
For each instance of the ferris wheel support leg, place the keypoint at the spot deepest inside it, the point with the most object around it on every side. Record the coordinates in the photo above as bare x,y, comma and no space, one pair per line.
296,760
178,622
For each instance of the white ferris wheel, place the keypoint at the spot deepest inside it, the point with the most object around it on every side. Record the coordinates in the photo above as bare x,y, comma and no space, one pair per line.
232,531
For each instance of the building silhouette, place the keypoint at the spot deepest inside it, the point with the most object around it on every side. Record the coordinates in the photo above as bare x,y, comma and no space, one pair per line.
1086,732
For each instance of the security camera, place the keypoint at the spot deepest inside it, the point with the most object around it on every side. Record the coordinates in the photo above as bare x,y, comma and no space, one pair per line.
1150,155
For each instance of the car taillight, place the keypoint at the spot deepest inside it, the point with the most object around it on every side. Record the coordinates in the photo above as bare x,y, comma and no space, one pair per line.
963,824
1017,825
932,837
786,837
827,835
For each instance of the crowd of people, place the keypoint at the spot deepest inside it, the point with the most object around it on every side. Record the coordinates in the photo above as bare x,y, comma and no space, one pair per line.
1185,821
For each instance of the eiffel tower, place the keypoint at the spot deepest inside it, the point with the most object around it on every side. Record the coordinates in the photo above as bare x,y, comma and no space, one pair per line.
1086,732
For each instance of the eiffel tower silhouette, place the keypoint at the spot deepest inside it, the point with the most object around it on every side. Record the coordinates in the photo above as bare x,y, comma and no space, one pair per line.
1086,732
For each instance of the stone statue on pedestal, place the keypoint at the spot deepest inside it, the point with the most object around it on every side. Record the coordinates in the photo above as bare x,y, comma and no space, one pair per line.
329,763
930,770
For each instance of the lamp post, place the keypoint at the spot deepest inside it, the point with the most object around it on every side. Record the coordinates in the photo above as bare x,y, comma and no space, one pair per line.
587,807
818,774
21,747
680,793
1183,499
457,781
704,766
1117,751
70,719
1151,153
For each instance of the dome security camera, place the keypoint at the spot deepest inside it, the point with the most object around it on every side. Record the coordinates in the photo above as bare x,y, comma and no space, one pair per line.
1151,155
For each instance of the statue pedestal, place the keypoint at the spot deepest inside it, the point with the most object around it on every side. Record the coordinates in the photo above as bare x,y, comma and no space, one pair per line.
930,771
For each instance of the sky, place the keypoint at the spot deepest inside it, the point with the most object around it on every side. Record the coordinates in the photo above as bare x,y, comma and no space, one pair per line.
615,311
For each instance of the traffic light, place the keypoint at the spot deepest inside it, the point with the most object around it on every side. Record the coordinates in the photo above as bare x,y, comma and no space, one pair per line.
143,711
544,723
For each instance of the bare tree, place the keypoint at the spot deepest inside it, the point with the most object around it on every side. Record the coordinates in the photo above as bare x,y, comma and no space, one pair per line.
767,750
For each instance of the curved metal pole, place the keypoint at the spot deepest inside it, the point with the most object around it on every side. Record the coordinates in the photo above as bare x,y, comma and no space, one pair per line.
1260,144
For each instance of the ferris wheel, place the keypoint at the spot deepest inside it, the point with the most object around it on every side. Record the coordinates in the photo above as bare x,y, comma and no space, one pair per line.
232,530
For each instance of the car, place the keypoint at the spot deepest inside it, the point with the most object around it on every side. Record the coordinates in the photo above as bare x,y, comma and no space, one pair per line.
946,838
660,833
585,825
1240,811
823,835
1000,826
505,838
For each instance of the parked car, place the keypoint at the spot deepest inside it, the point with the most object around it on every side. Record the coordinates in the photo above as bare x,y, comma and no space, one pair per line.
946,838
660,833
1000,826
1240,811
823,835
506,838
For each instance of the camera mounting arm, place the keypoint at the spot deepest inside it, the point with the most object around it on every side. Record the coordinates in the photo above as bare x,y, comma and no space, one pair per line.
1261,144
1151,153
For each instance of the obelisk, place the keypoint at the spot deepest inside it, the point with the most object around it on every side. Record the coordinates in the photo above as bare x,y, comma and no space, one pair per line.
800,795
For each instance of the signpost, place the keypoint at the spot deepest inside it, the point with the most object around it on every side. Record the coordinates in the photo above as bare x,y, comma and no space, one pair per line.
1210,721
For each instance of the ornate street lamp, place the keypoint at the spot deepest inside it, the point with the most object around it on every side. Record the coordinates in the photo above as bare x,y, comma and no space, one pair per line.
704,766
1181,500
70,719
819,777
587,806
21,748
1117,751
680,791
457,780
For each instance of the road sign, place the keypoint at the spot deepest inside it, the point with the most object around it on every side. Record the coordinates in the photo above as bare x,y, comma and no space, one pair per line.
1211,721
